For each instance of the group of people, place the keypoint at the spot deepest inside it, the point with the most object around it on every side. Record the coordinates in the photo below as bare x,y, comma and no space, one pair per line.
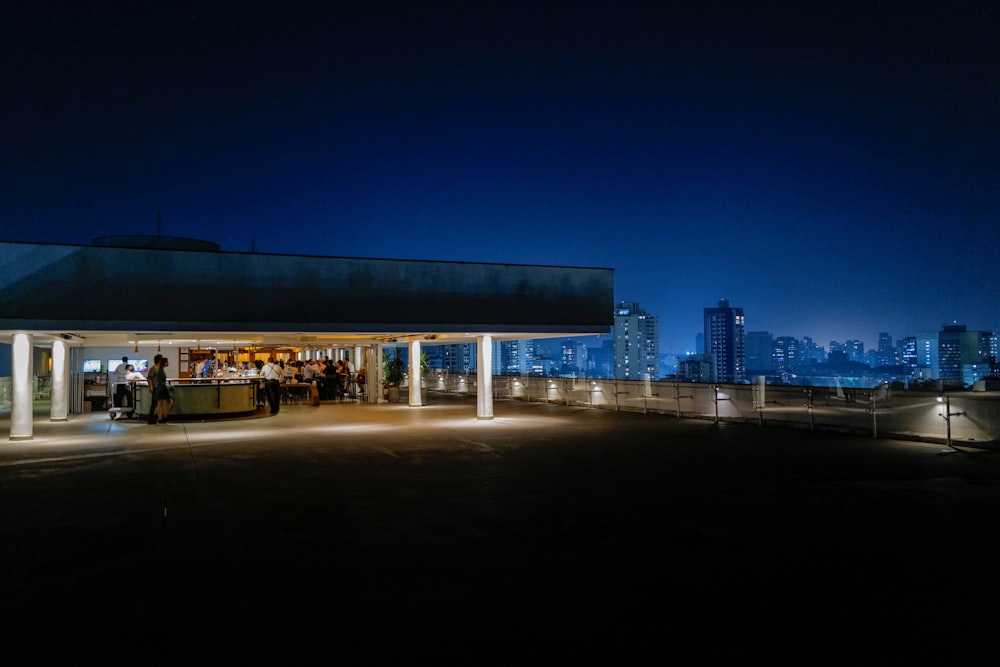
333,379
157,385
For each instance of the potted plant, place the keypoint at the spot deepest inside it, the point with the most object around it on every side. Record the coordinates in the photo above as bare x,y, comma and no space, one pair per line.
393,372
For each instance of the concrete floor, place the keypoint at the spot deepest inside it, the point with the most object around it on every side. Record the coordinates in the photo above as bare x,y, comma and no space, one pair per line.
370,534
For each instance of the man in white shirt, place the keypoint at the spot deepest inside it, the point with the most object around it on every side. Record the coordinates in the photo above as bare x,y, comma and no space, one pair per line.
122,395
273,375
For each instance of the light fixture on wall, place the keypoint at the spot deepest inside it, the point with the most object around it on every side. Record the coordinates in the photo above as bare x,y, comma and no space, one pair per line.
137,347
158,346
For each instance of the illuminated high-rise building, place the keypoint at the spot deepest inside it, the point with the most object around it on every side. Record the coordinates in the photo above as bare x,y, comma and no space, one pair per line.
786,352
906,351
927,352
459,358
725,339
963,356
637,343
886,355
513,357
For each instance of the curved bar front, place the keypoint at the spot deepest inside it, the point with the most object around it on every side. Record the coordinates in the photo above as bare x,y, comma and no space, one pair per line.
209,398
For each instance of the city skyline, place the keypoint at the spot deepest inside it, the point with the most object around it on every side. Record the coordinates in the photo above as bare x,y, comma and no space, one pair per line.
829,169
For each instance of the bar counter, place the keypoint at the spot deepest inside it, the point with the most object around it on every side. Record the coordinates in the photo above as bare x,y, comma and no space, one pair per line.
205,398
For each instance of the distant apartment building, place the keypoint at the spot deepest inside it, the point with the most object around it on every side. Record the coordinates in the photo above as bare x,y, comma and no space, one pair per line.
696,368
809,351
760,351
855,350
906,351
963,356
725,339
885,354
637,343
513,357
951,339
601,360
572,357
459,358
927,352
786,352
990,338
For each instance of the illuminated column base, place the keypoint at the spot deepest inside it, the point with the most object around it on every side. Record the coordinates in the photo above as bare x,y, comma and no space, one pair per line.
415,374
484,378
59,412
22,398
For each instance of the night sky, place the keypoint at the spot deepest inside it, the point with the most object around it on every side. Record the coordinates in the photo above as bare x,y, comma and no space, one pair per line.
832,168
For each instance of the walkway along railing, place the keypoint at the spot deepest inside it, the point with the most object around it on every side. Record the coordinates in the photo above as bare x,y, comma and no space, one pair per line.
971,418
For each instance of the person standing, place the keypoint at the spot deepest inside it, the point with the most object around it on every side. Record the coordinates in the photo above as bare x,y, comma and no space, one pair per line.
208,370
157,379
273,375
151,374
349,369
164,392
121,385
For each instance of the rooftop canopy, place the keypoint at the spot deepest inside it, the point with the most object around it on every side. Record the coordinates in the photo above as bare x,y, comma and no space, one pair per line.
107,295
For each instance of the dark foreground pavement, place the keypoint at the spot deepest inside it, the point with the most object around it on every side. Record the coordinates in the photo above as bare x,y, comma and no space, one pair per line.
374,534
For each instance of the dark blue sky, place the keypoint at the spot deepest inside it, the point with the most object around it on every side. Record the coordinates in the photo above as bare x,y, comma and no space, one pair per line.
833,170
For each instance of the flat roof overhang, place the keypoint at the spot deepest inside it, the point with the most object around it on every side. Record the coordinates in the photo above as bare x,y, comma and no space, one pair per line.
112,297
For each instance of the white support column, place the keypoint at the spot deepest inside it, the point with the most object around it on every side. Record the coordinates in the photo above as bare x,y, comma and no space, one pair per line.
373,387
415,374
59,411
22,391
357,359
484,378
376,378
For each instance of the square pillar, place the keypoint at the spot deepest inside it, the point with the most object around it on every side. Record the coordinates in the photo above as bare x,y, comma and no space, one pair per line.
415,374
484,378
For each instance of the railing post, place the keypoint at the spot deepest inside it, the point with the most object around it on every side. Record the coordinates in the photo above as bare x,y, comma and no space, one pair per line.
809,409
871,406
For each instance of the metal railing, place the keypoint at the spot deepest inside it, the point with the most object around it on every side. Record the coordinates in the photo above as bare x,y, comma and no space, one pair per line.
972,418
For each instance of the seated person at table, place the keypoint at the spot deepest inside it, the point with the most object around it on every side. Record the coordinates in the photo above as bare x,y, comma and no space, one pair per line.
360,379
343,377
